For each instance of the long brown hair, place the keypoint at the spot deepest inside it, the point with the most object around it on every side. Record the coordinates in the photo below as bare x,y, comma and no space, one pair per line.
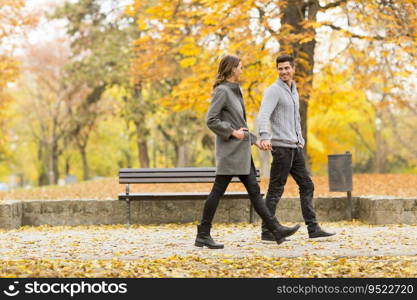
226,66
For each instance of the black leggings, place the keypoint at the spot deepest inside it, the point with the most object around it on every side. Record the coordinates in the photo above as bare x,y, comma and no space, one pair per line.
249,181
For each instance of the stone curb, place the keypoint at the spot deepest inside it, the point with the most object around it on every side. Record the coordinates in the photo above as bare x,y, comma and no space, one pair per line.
371,209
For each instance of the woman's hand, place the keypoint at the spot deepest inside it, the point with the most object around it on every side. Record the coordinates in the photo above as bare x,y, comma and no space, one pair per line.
240,134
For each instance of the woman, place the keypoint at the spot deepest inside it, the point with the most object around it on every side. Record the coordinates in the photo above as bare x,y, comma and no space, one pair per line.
226,117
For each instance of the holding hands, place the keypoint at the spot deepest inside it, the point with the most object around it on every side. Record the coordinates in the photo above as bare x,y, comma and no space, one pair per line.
264,144
261,144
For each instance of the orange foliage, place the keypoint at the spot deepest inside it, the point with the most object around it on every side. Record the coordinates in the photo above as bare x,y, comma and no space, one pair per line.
12,18
181,42
363,185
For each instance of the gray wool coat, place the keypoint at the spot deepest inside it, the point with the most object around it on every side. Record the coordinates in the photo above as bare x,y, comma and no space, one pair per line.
226,114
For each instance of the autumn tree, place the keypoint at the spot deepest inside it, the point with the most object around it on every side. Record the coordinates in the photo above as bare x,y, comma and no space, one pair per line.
47,104
162,60
195,33
101,44
378,64
13,18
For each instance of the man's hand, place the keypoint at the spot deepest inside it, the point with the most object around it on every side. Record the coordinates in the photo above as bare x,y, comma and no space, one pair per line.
266,145
258,144
240,134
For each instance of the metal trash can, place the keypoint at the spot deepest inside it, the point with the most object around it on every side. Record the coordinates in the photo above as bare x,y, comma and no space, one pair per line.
340,175
340,172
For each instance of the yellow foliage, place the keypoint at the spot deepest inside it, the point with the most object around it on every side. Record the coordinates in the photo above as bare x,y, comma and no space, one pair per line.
11,19
193,43
183,41
188,62
189,48
335,106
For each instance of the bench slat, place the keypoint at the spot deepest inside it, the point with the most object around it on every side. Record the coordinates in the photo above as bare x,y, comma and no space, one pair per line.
170,171
164,175
181,196
173,180
167,170
167,175
171,175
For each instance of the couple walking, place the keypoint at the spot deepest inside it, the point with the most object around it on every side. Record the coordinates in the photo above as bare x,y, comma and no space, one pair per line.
226,117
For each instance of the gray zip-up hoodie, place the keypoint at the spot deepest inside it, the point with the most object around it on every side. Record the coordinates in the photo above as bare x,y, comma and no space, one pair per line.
280,109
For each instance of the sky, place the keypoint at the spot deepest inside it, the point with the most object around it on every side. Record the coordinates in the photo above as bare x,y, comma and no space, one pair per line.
50,30
46,30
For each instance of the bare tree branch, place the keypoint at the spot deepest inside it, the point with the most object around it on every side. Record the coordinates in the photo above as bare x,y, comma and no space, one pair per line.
332,4
361,137
406,144
354,35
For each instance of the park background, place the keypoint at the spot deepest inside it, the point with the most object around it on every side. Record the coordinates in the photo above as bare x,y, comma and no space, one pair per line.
91,86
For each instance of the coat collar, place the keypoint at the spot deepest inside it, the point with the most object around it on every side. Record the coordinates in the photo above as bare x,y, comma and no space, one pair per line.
235,88
285,86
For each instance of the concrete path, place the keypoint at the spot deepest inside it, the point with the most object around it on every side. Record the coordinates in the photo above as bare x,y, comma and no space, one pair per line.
241,240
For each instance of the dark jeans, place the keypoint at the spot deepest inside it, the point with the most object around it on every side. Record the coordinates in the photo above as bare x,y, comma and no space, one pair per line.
290,161
220,185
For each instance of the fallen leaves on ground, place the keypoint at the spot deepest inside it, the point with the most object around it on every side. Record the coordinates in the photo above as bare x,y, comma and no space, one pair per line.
358,250
194,266
400,185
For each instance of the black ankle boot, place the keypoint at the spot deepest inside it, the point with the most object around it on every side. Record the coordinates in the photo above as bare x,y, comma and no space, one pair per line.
281,232
269,237
204,238
317,232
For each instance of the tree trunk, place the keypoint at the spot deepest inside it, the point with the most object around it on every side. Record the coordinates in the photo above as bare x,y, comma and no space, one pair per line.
54,168
143,154
86,169
141,134
43,169
67,166
139,114
378,146
128,159
183,155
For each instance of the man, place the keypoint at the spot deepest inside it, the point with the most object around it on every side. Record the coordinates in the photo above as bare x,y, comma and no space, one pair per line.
280,109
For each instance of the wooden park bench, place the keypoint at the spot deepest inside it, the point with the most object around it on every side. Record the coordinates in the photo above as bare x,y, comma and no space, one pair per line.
130,176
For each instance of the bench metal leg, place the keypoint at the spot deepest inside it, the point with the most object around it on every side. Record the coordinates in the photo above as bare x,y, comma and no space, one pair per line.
128,211
128,204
